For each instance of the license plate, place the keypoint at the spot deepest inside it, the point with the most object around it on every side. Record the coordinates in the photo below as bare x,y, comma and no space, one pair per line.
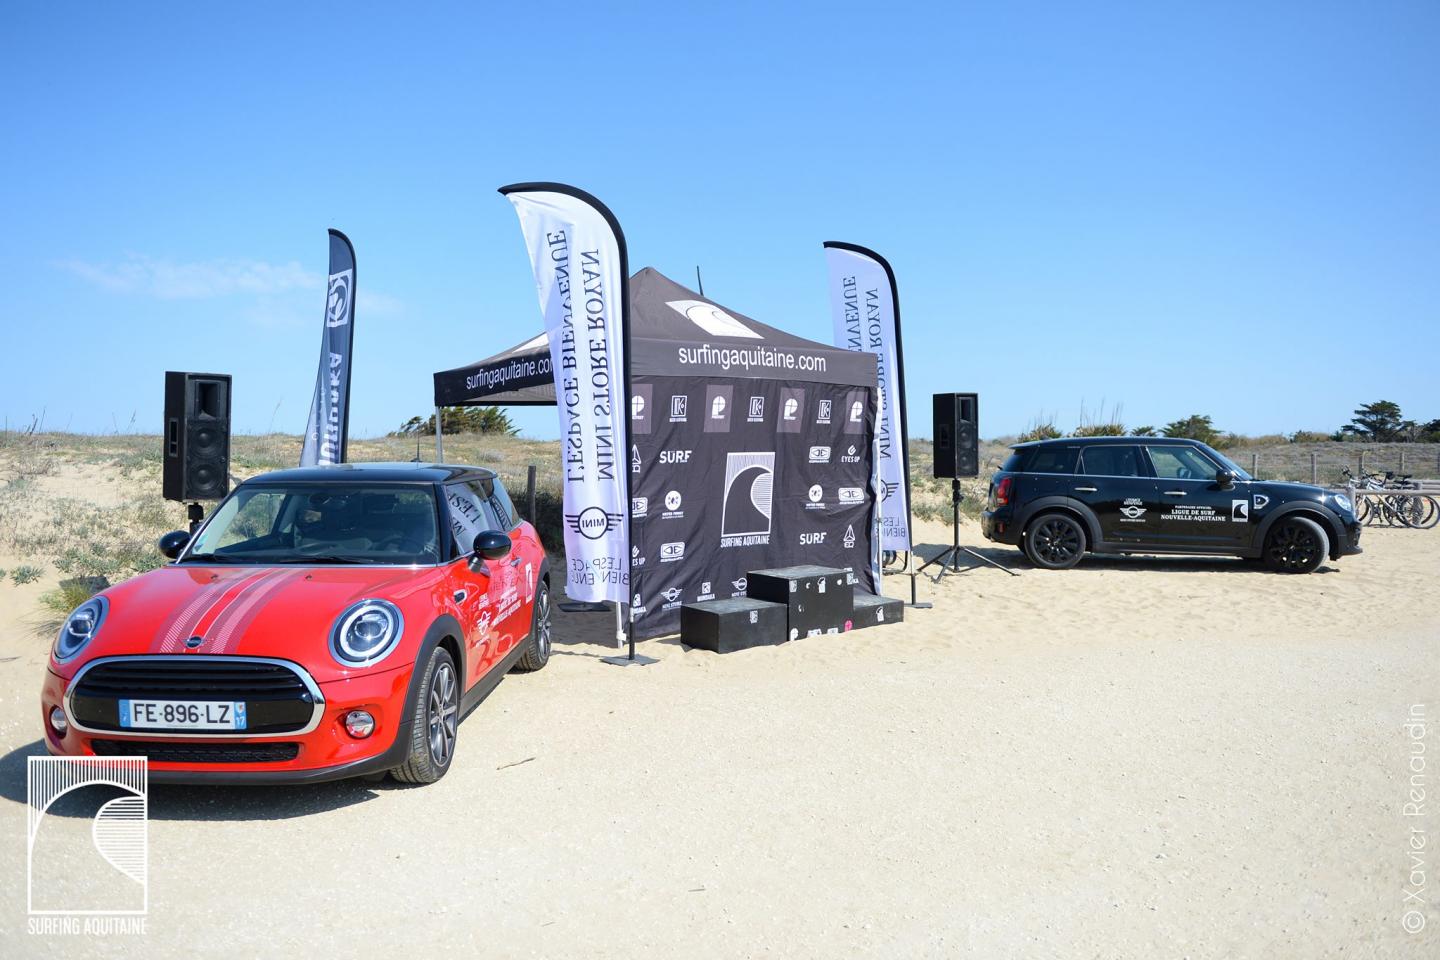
183,714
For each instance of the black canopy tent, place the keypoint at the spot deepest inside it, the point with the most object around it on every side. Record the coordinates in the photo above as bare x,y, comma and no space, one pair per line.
751,447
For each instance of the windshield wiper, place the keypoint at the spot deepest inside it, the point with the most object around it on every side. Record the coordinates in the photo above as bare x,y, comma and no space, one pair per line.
211,558
315,558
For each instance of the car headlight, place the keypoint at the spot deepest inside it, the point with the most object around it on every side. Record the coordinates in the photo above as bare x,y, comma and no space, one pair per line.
366,633
1343,502
80,628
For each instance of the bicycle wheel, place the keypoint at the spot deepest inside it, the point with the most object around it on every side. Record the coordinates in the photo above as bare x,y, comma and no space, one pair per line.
1426,513
1362,509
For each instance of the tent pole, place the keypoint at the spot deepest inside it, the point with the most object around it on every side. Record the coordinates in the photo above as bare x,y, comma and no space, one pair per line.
879,514
439,436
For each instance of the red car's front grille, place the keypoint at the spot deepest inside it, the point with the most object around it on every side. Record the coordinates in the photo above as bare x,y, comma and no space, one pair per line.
170,752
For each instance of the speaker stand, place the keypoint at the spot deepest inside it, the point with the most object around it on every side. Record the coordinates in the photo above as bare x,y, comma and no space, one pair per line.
194,513
949,558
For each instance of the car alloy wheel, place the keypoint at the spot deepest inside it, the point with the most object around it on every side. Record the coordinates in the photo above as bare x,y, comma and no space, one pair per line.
443,715
542,627
1056,541
1294,548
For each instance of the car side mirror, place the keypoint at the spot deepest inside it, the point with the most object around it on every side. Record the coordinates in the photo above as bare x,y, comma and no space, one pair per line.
490,545
172,543
1225,479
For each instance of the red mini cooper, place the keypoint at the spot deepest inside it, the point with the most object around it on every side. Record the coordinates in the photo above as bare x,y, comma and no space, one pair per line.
323,623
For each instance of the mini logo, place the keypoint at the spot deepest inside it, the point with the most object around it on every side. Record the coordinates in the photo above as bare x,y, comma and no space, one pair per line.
671,595
1239,510
118,833
887,489
639,506
1261,501
816,493
194,642
792,407
822,415
678,403
849,540
857,409
592,523
337,300
672,501
1133,512
819,454
637,407
717,408
740,584
670,552
757,409
851,495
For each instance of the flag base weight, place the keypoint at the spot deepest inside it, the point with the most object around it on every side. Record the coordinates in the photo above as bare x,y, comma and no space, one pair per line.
630,661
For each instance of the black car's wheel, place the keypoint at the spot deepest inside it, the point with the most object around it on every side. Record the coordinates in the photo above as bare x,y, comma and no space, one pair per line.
1054,541
435,724
1296,545
539,653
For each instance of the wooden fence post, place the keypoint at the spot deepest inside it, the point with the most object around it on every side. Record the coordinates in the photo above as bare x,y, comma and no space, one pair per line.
530,495
1314,469
1402,459
1255,465
1362,463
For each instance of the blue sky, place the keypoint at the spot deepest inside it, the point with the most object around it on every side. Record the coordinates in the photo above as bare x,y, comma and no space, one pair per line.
1175,207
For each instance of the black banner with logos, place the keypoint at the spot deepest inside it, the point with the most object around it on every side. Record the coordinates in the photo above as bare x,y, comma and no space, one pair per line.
733,475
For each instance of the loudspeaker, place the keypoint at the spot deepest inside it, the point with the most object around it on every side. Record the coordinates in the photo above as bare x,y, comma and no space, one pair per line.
197,436
957,434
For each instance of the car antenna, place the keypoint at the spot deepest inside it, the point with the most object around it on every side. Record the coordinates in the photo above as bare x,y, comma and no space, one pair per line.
417,451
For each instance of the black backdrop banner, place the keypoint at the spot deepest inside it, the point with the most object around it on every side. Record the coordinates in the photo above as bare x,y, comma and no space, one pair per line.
737,474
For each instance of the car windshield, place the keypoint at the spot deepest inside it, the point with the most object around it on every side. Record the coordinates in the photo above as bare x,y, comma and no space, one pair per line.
321,523
1228,464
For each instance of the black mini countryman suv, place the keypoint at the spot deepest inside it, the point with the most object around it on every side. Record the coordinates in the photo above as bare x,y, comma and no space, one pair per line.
1060,499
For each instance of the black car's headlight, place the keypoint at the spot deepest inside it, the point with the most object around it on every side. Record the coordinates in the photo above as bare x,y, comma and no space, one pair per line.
80,628
366,633
1343,502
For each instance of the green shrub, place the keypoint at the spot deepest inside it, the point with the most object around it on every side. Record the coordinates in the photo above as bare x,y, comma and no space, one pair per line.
26,574
1040,429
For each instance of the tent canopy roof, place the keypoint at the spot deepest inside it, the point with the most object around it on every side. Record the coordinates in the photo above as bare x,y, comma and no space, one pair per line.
674,331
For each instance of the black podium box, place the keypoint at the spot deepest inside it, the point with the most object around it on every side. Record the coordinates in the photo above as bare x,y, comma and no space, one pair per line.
723,626
873,611
817,599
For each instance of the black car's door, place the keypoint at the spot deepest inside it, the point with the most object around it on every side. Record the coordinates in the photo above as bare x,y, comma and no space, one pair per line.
1114,482
1196,512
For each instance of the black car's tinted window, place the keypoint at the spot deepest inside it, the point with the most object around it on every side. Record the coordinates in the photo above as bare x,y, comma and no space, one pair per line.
1181,463
1012,463
1108,461
1050,460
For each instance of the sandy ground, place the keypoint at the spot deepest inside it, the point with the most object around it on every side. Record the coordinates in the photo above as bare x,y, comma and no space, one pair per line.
1137,758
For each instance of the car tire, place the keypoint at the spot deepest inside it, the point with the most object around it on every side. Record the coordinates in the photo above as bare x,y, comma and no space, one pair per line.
1296,545
537,654
1054,541
435,722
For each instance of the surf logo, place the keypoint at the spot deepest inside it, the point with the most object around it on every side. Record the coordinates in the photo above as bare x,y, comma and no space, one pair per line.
747,501
711,319
337,299
592,523
1239,510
